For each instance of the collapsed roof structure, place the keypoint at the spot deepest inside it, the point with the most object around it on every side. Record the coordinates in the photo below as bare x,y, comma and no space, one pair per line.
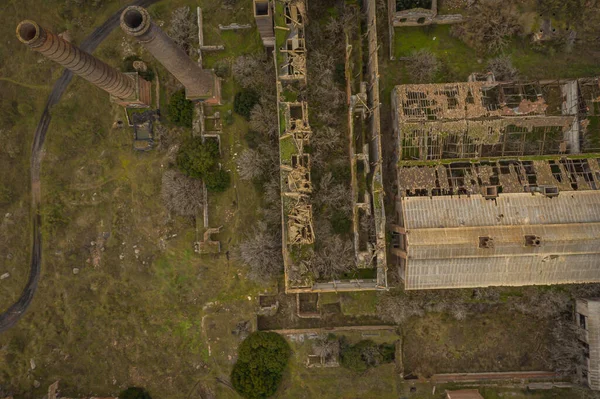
295,162
497,183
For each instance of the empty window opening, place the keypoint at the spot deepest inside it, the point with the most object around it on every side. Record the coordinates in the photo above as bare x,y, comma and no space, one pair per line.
582,322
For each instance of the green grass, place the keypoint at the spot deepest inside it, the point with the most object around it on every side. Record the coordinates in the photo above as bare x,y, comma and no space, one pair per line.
287,148
359,303
460,59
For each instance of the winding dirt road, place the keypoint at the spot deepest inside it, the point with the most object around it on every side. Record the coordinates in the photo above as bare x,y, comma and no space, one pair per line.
89,44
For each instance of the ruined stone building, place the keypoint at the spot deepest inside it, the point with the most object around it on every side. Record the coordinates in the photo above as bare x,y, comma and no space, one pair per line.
425,14
587,316
295,164
294,136
497,183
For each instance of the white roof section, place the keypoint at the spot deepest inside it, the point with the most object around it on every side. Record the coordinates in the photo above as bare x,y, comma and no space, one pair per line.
444,240
506,210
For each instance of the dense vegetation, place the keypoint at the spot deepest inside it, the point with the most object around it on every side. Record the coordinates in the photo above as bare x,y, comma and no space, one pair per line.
402,5
181,110
244,101
199,160
262,358
134,393
365,354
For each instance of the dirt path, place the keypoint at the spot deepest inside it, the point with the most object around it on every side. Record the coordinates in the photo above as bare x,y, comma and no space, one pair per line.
89,44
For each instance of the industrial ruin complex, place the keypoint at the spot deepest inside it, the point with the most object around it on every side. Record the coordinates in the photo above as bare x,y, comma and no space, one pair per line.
296,187
497,183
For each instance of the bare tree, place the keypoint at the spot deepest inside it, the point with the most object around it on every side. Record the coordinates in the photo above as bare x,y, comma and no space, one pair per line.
502,68
253,72
543,304
398,308
181,194
490,28
324,90
326,347
333,195
422,66
326,138
263,117
261,251
183,28
250,164
567,354
335,257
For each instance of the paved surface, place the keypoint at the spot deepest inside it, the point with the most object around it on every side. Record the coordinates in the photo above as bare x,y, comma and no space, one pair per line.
89,44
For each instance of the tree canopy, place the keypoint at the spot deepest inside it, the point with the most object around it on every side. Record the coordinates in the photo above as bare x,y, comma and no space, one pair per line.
262,358
199,160
244,101
180,110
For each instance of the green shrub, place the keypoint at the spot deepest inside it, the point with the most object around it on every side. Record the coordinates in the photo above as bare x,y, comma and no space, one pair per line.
195,158
6,194
262,358
200,161
253,139
134,393
365,354
340,222
217,181
221,69
339,74
180,110
228,118
244,101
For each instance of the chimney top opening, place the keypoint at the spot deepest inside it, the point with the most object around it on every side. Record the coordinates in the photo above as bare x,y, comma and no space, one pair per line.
28,31
262,8
133,18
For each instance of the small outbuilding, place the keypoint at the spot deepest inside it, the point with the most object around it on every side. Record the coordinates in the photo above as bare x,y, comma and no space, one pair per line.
464,394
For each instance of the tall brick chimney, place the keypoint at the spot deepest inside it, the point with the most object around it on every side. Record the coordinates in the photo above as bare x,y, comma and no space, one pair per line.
119,85
199,83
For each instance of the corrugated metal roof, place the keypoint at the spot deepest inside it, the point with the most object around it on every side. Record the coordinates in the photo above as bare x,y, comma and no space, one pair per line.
507,210
501,271
508,240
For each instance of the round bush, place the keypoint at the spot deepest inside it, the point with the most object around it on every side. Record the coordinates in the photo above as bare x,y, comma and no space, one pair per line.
244,101
196,159
217,181
262,358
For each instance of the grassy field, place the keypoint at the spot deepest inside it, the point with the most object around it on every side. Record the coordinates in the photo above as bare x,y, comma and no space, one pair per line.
135,312
458,60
